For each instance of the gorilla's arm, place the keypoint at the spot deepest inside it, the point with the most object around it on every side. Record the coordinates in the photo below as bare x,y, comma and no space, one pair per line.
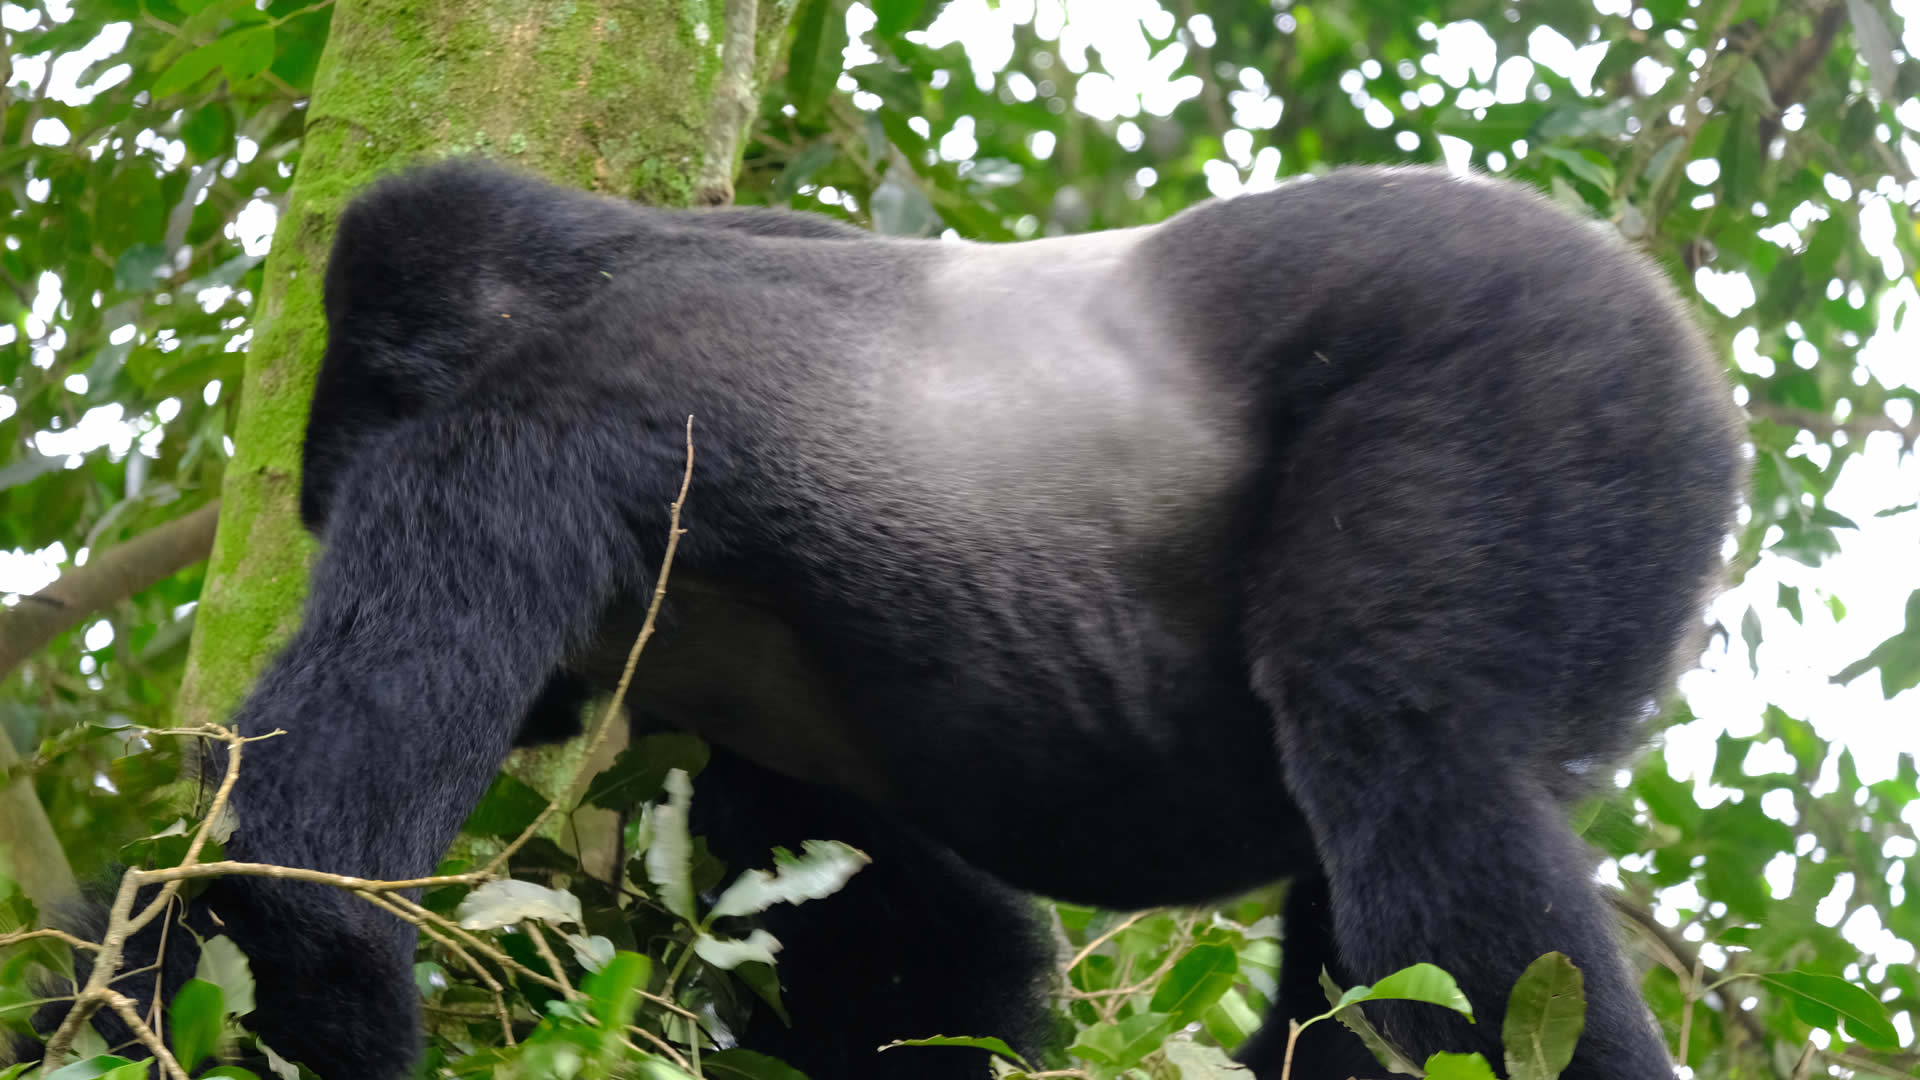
462,561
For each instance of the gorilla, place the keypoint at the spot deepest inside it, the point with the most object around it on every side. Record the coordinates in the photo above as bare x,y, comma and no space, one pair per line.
1362,520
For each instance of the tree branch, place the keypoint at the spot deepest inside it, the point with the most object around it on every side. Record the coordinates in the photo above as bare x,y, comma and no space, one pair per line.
1789,78
1687,959
1819,423
733,105
109,577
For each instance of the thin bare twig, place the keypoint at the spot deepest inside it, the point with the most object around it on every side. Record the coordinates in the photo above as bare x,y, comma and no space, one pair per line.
605,727
541,946
386,903
123,1005
1090,946
663,1046
55,935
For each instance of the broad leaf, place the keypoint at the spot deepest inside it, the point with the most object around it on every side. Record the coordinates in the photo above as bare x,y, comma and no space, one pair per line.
1421,982
814,62
1824,1001
1546,1013
729,953
1459,1067
194,1019
820,870
670,855
737,1064
503,903
1196,982
988,1043
225,966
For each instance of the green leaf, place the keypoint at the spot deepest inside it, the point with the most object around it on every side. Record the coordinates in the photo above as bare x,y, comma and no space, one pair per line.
1898,659
760,978
1546,1013
802,168
503,903
89,1068
195,1017
1750,634
1788,599
975,1042
140,1070
614,991
815,61
891,17
1875,44
729,953
1231,1021
188,70
900,208
739,1064
1123,1044
208,130
639,773
1582,167
137,266
32,468
1421,982
1199,1062
244,52
1459,1067
1824,1001
821,869
225,966
593,952
508,807
1197,980
670,855
1351,1018
251,53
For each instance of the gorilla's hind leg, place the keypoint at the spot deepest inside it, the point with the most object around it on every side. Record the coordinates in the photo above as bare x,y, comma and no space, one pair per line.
919,943
1450,612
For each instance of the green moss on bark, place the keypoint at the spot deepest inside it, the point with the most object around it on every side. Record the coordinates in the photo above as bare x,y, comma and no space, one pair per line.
606,94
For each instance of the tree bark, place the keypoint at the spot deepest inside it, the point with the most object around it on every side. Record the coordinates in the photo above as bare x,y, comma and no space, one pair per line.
30,851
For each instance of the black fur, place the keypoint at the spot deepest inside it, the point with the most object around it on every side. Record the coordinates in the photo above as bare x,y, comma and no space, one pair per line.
1355,520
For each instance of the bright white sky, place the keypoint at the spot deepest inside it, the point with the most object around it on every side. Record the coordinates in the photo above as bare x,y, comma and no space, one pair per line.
1127,62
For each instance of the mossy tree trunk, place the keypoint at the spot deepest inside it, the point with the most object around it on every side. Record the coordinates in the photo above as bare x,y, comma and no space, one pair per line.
614,95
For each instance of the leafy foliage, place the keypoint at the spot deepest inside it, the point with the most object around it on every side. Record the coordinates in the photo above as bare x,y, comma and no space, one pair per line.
1763,151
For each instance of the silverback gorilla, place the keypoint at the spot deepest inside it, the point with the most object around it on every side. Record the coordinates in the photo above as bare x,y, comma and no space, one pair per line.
1362,519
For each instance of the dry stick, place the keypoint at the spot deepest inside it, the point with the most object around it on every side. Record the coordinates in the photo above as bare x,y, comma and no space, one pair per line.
1692,995
1293,1037
1108,936
56,935
167,891
122,1004
541,946
122,924
605,727
664,1046
386,903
